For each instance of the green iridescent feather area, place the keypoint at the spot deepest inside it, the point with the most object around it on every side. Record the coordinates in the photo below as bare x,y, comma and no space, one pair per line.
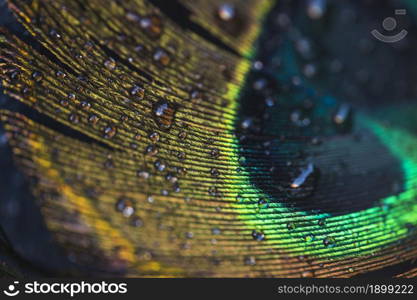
211,139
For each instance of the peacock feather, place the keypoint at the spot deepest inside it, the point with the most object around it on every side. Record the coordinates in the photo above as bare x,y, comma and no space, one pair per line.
182,138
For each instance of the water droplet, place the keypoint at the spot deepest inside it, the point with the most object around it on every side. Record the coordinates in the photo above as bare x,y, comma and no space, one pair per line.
161,57
150,199
85,105
164,113
151,150
54,34
37,76
74,118
125,206
154,136
329,242
60,74
258,65
215,231
64,102
138,92
132,17
250,261
189,235
136,222
214,172
226,12
110,132
93,119
182,135
138,137
212,191
258,236
215,153
71,96
299,120
110,64
171,178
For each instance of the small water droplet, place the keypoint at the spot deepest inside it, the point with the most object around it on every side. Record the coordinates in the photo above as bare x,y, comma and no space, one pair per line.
60,74
329,242
182,135
37,76
125,206
154,136
136,222
162,57
215,153
215,231
143,174
152,25
138,92
291,226
110,132
85,105
250,261
160,166
322,222
110,64
53,33
214,172
74,118
226,12
258,236
164,113
151,150
93,119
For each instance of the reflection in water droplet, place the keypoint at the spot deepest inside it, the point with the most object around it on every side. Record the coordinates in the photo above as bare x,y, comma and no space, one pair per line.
152,25
110,132
305,173
342,114
136,221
